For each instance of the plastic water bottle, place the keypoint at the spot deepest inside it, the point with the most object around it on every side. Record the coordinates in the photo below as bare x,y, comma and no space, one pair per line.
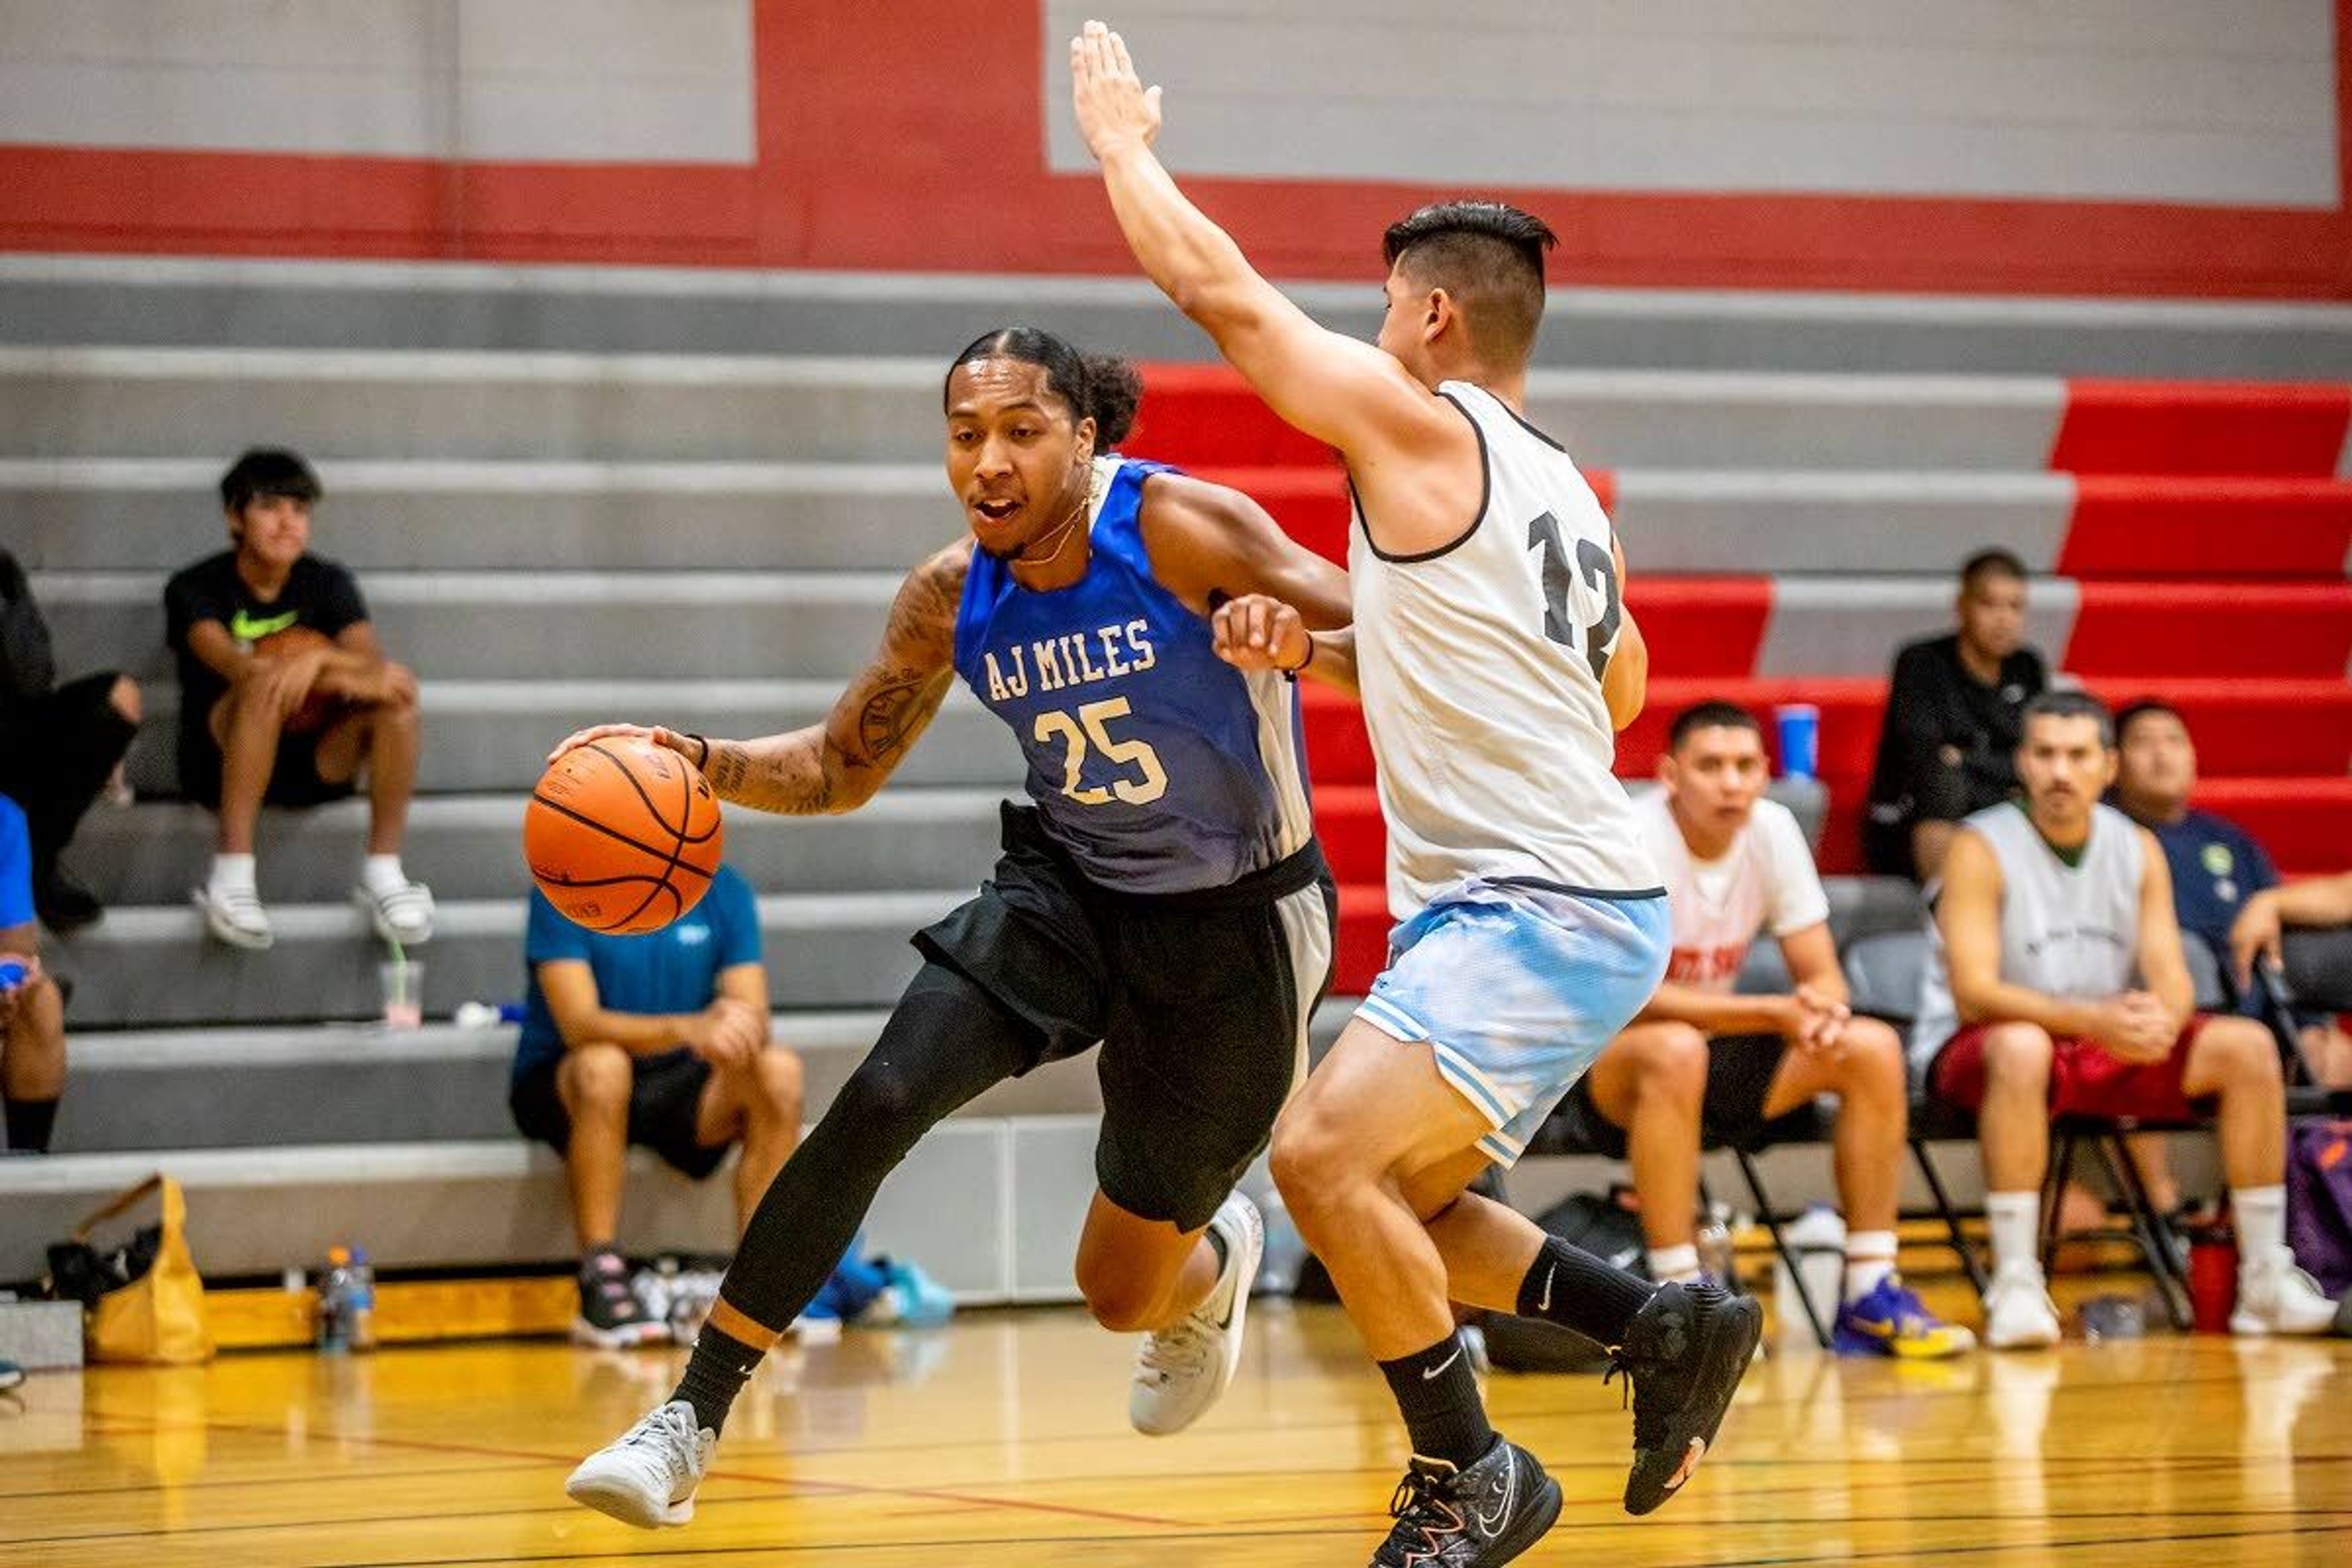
333,1321
13,971
1817,1238
486,1014
362,1301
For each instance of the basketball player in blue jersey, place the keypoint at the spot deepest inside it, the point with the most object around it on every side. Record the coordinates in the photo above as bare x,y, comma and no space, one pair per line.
1495,661
1162,894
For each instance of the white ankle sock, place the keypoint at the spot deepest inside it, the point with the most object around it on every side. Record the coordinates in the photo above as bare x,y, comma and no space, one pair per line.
2260,1214
231,874
2015,1220
1674,1264
382,875
1869,1258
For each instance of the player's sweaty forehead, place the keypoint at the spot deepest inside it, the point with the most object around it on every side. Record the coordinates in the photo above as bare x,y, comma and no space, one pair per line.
986,389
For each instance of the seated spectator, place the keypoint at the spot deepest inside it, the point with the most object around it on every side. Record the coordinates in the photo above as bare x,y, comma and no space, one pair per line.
60,747
1701,1064
660,1040
2218,870
285,696
1952,722
2058,987
2254,937
32,1011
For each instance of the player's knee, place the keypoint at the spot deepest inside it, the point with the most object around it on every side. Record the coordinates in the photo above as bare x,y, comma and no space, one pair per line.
1120,1299
596,1079
882,1104
781,1084
1670,1065
1873,1063
2243,1054
2017,1055
1308,1159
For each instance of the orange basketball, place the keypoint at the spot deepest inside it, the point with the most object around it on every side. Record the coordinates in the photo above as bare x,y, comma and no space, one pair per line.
317,707
621,835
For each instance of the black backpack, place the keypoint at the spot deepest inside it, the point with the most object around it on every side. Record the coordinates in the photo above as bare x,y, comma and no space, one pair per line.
28,666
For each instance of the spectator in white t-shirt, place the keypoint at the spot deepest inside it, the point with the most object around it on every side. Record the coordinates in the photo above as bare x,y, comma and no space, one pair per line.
1703,1065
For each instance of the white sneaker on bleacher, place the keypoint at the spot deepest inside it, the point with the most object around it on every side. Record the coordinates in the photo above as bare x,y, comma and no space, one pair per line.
646,1477
2018,1314
2275,1297
235,915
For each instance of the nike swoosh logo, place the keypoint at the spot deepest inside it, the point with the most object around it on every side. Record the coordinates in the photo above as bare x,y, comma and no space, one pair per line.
1487,1522
253,628
1440,1366
1545,1305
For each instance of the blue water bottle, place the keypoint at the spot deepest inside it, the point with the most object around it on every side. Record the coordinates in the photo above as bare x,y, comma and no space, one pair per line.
12,973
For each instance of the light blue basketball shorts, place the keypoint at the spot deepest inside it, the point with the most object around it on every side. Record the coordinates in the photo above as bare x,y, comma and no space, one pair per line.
1517,986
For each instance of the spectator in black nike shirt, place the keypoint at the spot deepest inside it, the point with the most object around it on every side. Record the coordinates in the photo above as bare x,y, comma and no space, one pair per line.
286,695
1954,716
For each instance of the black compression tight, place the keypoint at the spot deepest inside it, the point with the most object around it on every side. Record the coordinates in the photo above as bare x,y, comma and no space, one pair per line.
946,1042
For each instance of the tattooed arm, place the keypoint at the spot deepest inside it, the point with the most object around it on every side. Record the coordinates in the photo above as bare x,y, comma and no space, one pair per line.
837,765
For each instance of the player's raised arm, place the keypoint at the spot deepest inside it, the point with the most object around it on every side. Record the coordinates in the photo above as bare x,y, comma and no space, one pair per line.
1339,390
836,766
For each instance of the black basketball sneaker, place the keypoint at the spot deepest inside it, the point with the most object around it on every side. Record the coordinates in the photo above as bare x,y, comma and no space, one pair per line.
1684,1354
1474,1517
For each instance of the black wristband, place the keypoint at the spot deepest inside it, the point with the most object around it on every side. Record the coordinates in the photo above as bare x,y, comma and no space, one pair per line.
703,761
1292,673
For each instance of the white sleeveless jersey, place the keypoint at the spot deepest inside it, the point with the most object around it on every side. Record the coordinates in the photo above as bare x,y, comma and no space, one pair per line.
2065,930
1480,666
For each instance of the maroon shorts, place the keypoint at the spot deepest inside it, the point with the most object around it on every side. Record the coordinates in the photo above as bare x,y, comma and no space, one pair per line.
2084,1078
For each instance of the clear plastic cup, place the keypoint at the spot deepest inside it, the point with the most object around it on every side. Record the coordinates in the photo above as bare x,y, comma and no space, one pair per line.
404,993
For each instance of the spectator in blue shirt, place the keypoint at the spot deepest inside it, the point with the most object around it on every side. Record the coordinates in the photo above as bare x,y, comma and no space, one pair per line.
660,1040
33,1010
2218,869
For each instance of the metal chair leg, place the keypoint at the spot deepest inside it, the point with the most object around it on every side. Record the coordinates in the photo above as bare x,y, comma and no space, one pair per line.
1771,1218
1969,1265
2053,1195
2148,1229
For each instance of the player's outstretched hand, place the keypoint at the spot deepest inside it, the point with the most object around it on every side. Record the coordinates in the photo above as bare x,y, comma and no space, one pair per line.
1256,632
669,739
1114,109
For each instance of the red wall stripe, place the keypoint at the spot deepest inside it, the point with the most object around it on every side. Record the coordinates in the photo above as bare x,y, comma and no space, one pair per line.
2201,427
877,150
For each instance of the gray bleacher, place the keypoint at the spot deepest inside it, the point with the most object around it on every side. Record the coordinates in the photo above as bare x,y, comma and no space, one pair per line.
577,495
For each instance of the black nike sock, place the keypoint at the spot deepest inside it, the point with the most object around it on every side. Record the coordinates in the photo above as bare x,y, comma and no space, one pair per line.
1568,1286
715,1374
1438,1393
28,1122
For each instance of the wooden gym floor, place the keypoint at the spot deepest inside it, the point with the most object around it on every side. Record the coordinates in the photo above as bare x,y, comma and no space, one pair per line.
1002,1441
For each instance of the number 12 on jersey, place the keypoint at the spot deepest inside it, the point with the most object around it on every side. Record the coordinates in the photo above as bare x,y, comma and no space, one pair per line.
1093,722
1599,573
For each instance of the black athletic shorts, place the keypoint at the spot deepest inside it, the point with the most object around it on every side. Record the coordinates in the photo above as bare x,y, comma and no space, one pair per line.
1200,1002
662,1098
294,781
1740,1071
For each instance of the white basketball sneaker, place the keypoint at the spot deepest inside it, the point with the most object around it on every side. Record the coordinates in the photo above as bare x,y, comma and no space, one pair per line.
646,1477
2018,1314
2275,1297
1181,1371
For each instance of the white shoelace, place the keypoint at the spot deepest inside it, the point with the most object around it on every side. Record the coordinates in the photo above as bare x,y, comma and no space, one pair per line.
670,1431
1180,1351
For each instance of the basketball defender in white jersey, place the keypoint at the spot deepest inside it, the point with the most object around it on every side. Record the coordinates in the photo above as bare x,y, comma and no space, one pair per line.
1496,661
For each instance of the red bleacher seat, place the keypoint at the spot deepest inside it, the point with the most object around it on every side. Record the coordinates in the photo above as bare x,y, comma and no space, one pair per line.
2201,427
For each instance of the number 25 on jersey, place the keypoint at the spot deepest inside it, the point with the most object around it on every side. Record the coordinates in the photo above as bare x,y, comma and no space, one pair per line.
1092,722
